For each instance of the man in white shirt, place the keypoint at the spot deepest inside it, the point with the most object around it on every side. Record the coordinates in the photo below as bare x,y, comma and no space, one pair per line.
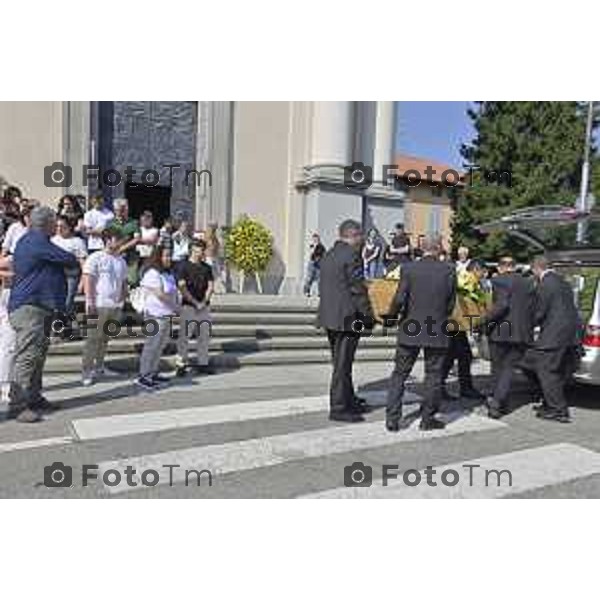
95,221
148,235
105,286
463,259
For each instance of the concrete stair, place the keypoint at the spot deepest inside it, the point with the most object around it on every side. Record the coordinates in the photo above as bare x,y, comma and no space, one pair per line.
247,330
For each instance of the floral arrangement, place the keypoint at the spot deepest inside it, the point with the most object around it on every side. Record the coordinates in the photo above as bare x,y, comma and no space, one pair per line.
394,274
468,287
248,246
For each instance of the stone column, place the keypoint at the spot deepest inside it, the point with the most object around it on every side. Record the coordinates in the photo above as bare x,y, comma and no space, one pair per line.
332,133
214,151
385,130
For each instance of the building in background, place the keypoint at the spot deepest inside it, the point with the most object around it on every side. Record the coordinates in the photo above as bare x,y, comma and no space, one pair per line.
429,205
279,162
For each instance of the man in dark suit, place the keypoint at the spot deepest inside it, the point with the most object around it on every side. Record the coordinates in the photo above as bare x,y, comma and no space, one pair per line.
551,360
424,300
344,311
509,326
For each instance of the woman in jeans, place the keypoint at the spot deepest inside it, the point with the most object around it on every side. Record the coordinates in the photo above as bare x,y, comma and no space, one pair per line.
66,240
160,305
7,333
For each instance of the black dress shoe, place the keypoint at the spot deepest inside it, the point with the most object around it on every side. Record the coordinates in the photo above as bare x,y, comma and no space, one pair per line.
42,405
554,416
429,424
346,417
472,394
360,407
392,426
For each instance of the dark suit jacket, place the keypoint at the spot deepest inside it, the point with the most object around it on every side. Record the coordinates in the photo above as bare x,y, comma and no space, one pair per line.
510,320
342,289
555,313
427,291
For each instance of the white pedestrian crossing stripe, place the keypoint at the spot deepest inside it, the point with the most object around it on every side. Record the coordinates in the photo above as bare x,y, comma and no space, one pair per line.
36,443
152,421
529,469
278,449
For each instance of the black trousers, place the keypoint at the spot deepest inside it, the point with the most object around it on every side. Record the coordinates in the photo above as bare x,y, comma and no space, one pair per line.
505,357
550,369
404,362
459,350
343,348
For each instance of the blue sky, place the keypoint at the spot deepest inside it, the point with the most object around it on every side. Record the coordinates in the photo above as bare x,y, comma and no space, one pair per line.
433,130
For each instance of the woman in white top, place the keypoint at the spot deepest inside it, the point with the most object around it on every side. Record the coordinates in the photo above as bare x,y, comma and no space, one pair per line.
16,231
161,303
7,333
66,240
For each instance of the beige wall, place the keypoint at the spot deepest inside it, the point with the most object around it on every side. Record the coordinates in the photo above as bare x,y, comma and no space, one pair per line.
420,201
272,142
31,137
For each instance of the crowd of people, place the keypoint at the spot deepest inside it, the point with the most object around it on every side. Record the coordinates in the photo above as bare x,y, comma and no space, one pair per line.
379,257
50,256
166,269
422,308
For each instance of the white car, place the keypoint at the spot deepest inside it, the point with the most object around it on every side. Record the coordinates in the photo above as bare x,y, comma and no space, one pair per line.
552,230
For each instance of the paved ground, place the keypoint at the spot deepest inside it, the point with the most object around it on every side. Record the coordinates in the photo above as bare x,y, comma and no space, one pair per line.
263,432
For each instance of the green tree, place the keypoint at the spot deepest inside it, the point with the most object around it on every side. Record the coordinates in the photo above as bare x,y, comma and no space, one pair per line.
540,144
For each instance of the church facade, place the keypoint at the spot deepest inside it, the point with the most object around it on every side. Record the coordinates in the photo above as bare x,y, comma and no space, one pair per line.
283,163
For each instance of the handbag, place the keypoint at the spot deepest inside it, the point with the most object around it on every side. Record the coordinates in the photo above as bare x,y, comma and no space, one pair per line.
137,299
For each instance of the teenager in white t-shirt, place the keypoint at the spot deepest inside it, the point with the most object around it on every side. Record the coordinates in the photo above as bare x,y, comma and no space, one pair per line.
95,222
105,286
148,235
66,240
160,304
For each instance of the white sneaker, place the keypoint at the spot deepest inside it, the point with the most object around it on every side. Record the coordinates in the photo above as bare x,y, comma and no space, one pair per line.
87,380
5,393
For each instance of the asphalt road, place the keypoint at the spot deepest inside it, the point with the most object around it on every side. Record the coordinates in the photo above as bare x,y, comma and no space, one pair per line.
263,432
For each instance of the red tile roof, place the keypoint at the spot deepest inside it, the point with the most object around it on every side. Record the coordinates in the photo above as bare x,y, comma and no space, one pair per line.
406,162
